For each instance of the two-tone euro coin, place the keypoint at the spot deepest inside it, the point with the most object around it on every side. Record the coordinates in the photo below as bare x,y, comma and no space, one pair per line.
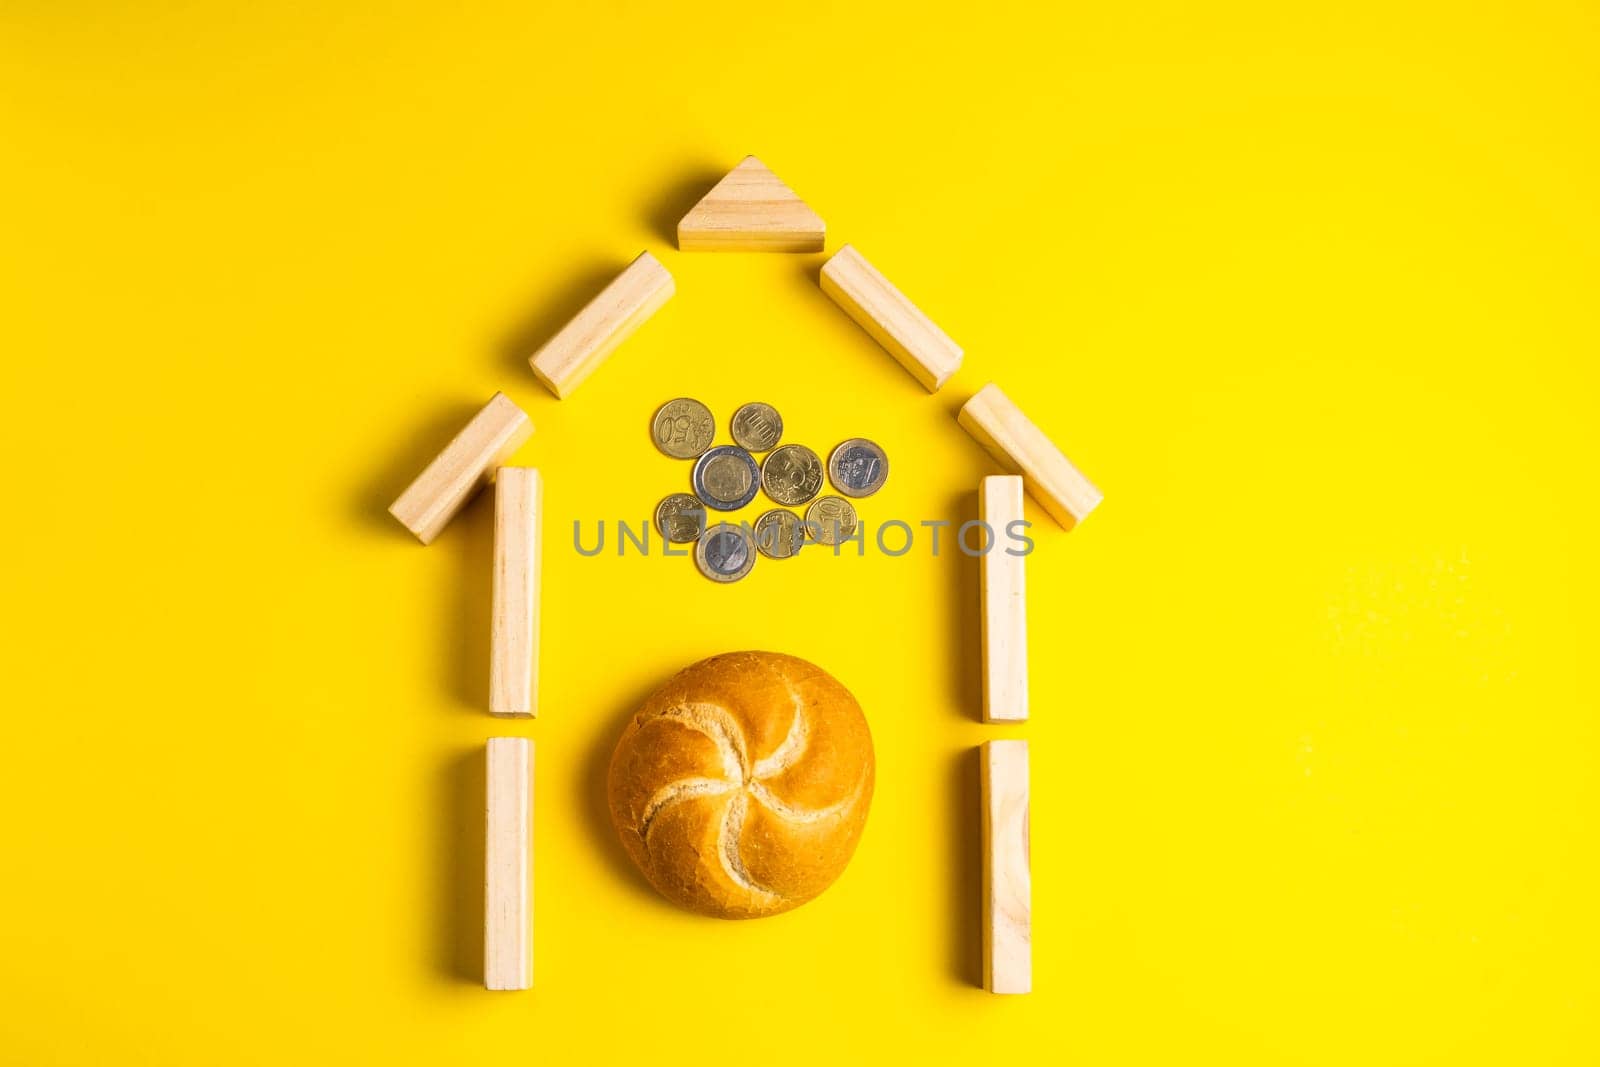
858,467
725,552
726,478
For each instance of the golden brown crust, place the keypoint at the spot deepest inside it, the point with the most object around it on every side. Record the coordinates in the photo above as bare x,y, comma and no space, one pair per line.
741,787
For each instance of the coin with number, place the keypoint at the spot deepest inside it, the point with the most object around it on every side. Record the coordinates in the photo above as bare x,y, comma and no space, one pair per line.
683,428
726,478
830,520
858,467
757,427
791,474
725,553
779,533
680,518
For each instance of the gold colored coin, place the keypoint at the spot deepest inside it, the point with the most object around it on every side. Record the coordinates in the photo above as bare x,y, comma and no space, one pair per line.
830,520
681,518
791,474
779,533
757,427
683,428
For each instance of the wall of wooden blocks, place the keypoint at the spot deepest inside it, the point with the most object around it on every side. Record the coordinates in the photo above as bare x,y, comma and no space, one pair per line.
466,465
508,865
893,321
1007,879
579,347
1005,612
1022,448
514,627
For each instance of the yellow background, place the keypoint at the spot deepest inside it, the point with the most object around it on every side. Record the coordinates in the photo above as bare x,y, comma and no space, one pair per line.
1309,290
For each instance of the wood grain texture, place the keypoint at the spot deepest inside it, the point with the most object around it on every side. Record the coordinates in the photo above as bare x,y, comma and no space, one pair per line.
580,346
508,865
751,210
892,320
1005,614
466,465
514,628
1007,879
1022,448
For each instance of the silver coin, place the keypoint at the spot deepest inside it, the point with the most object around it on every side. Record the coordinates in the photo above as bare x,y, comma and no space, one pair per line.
757,427
681,518
683,428
791,474
725,553
830,520
858,467
726,478
779,533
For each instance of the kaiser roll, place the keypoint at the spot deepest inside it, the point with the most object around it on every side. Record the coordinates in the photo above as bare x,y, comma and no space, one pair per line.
741,786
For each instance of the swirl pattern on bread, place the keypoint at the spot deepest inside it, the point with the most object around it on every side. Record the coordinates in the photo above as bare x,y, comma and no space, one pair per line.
741,787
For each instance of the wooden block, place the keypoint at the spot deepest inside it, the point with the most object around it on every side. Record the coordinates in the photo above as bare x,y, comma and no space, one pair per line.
892,320
465,466
1022,448
751,210
605,322
1007,882
514,634
1005,614
508,866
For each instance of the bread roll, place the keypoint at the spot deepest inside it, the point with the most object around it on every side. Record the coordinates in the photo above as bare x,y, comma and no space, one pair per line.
741,786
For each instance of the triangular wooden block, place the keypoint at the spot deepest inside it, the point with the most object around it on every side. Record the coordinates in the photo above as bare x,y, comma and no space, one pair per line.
750,210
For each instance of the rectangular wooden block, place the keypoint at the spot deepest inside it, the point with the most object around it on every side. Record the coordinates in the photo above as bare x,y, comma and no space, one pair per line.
465,466
893,321
1007,882
508,866
1005,614
514,629
1022,448
605,322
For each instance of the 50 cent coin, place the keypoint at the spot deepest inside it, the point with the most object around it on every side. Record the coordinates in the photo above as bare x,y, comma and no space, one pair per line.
683,428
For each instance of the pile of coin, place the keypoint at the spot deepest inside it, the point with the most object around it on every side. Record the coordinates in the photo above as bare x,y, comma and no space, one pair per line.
727,477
